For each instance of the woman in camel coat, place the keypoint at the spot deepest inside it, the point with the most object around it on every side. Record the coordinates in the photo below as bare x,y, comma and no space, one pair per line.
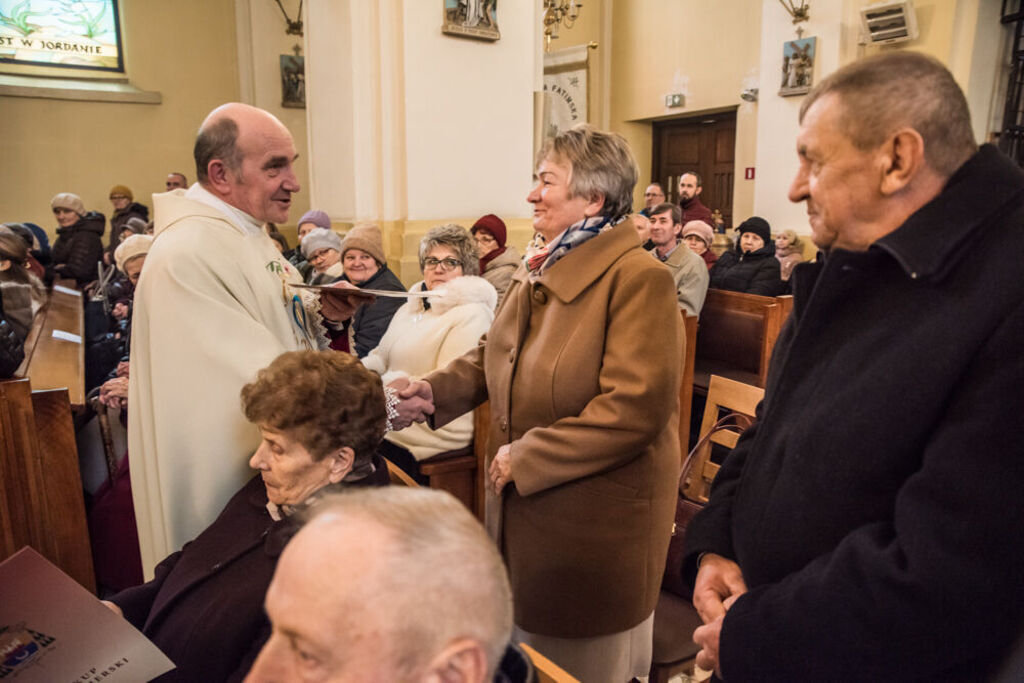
581,367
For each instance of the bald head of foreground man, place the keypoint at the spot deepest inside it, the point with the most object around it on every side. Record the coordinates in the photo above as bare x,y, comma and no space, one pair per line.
245,157
396,584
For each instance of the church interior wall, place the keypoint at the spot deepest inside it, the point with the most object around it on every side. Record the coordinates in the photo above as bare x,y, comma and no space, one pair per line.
184,50
436,129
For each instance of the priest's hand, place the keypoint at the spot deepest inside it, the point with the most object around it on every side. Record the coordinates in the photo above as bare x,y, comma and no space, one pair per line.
340,301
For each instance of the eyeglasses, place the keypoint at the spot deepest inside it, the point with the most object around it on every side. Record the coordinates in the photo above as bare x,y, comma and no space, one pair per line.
481,238
117,196
445,263
319,254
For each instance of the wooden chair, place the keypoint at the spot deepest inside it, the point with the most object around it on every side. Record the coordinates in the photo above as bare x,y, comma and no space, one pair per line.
460,472
547,671
675,618
398,476
723,395
737,336
686,385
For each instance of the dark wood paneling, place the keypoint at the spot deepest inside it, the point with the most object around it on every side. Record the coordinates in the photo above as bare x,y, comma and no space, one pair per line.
704,143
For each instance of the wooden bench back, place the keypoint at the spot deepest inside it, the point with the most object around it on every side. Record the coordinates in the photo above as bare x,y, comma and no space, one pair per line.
41,502
737,335
57,362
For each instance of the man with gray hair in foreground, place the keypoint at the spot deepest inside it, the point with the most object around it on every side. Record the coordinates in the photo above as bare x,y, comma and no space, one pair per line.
400,585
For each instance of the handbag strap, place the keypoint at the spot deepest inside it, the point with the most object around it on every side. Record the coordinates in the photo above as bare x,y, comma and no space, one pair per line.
732,422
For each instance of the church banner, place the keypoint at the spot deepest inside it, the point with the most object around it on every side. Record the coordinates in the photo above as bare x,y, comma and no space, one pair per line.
565,89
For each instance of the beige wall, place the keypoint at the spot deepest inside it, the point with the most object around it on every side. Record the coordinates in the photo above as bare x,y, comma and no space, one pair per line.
261,42
186,50
706,50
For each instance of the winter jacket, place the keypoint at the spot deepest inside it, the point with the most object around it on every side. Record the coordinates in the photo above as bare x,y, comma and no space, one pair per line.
422,339
756,272
120,218
499,270
370,322
12,347
79,248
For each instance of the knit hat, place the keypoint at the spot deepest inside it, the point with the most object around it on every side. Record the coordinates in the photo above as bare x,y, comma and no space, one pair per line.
758,226
318,218
136,225
701,230
319,238
493,225
71,202
136,245
364,237
122,190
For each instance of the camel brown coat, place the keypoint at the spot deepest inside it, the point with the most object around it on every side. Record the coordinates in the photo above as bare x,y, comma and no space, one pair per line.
582,371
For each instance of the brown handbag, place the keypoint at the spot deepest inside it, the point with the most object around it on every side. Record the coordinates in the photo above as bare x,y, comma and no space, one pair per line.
687,509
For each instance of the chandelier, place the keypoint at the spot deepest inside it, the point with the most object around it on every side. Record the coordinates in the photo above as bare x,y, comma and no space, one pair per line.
557,12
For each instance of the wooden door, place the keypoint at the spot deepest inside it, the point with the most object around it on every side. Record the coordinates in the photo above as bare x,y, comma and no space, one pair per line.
705,143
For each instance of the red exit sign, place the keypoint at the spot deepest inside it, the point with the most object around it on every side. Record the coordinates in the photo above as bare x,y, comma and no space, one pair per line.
748,173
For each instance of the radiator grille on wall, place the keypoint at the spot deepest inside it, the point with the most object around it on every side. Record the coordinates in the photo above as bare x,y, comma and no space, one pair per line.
889,22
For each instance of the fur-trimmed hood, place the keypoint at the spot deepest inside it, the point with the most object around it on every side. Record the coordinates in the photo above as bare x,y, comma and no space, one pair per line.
466,289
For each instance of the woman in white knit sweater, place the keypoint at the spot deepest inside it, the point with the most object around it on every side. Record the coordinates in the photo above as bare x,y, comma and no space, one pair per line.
427,333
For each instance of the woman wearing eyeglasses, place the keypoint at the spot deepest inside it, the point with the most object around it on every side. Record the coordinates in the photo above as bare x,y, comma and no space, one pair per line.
428,332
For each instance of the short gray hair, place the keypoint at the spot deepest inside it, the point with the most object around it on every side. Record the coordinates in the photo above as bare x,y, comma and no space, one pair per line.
882,93
456,238
217,140
599,163
442,577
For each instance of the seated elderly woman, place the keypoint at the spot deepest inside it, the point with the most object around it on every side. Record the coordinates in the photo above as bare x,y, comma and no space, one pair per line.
498,260
699,237
23,293
322,248
752,267
426,334
321,415
362,255
79,246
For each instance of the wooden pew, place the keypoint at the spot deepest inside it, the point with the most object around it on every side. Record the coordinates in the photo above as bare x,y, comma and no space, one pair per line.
461,473
57,362
41,503
737,335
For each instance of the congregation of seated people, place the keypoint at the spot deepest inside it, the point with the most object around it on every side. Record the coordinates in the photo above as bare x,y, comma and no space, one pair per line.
304,560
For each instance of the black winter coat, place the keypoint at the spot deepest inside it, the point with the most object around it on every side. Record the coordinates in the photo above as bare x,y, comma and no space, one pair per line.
12,346
756,272
120,218
78,248
371,322
875,508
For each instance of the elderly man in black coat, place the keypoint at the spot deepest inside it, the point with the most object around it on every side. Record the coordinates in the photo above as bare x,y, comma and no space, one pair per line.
868,527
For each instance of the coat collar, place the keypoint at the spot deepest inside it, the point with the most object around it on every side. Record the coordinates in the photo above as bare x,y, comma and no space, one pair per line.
588,262
928,243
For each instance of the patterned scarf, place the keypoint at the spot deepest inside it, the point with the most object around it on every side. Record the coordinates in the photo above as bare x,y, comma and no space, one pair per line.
539,256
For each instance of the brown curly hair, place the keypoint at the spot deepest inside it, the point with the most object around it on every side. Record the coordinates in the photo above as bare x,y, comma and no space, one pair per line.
322,399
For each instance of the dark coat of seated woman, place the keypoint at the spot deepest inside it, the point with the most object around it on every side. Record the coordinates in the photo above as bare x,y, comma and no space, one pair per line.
321,415
752,267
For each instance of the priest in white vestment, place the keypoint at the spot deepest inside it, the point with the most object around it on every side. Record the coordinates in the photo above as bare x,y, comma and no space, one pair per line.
213,306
